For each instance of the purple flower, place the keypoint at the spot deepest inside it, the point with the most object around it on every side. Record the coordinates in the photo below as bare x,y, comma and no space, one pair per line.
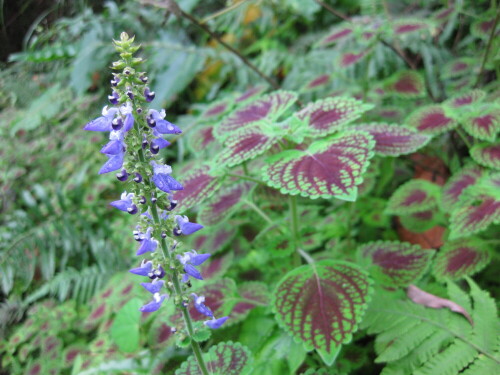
215,323
114,97
154,287
103,123
189,260
154,304
156,120
145,269
126,110
147,243
185,227
149,95
199,304
162,178
125,203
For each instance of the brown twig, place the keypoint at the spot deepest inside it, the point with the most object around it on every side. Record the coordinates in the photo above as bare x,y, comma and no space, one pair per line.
333,11
173,7
488,47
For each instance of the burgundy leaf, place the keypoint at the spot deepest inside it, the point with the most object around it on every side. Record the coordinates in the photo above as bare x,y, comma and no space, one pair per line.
454,187
415,196
216,267
350,58
215,110
330,167
396,263
319,81
252,294
474,214
335,35
250,93
466,99
407,26
487,154
429,300
202,138
444,14
431,119
483,123
460,258
394,140
406,84
223,204
199,185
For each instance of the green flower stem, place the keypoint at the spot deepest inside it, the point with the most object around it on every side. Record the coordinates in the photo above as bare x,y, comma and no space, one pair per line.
258,210
295,229
462,135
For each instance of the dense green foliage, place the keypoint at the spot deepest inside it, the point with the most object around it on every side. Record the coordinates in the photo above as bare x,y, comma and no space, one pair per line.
343,157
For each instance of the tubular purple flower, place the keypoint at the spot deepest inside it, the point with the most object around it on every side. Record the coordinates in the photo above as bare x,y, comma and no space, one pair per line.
154,287
114,163
216,323
199,304
149,95
185,226
189,260
148,244
124,203
155,304
162,178
156,119
145,269
103,123
114,97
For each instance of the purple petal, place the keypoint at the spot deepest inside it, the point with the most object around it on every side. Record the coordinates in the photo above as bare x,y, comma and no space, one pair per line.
143,270
100,124
193,272
154,287
129,122
112,148
199,259
189,228
160,142
216,323
185,278
114,163
165,127
166,183
122,205
153,305
200,306
147,245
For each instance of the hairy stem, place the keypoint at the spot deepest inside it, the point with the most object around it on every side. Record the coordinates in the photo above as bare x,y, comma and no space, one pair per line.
295,229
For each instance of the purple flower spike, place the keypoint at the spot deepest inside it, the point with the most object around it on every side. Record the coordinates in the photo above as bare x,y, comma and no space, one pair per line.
189,260
114,97
124,203
156,119
154,304
145,269
162,178
216,323
192,271
154,287
147,243
103,123
199,304
185,226
149,95
114,163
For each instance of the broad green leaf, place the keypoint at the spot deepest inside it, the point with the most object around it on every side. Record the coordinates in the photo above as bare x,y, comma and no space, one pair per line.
125,328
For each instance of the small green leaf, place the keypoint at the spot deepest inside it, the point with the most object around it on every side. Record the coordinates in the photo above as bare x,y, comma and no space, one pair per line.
125,328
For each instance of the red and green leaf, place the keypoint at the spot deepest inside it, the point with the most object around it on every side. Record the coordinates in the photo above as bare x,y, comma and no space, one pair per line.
458,67
454,187
317,82
406,26
322,305
442,15
406,84
487,154
330,167
202,138
350,58
246,144
329,115
336,35
225,358
431,119
199,185
482,28
483,123
216,267
414,196
394,140
251,295
223,204
250,94
466,99
216,110
460,258
395,263
420,222
266,109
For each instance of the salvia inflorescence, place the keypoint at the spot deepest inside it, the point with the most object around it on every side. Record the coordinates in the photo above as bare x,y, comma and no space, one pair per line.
136,134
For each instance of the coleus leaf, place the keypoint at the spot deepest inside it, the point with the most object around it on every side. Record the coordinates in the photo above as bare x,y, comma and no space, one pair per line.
395,263
460,258
419,222
431,119
337,34
405,26
266,109
483,122
246,144
216,110
393,140
251,295
321,305
442,15
387,113
225,358
317,82
406,84
202,138
223,204
482,27
199,185
466,99
350,58
329,115
414,196
458,67
330,167
216,267
477,208
487,154
454,187
250,94
216,240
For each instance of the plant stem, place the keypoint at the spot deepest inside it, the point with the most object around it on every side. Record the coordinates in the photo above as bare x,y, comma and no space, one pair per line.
246,178
223,11
258,210
295,229
488,47
464,137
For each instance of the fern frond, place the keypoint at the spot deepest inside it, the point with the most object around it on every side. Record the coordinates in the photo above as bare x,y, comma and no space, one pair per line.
417,340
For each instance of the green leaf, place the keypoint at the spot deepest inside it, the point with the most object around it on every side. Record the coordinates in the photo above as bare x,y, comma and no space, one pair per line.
125,328
322,304
414,196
